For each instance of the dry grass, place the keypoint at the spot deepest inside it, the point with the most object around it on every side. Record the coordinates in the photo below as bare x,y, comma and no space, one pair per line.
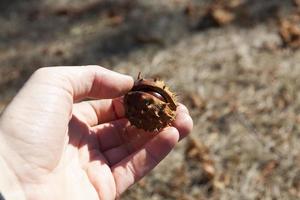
242,89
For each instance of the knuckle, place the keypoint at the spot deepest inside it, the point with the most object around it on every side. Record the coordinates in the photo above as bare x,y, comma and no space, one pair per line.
42,71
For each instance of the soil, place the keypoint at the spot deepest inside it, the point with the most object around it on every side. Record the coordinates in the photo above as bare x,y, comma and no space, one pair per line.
235,72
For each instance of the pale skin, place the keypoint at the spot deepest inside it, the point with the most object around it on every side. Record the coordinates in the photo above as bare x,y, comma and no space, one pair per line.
54,145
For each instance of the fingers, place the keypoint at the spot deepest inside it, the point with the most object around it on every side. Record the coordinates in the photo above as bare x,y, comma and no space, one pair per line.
100,177
99,111
120,132
115,155
138,164
183,121
87,81
133,139
119,136
110,135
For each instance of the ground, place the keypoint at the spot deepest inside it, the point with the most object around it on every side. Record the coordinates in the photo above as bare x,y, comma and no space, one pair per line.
240,82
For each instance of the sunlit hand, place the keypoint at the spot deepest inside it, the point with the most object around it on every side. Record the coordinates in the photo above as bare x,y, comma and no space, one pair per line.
54,145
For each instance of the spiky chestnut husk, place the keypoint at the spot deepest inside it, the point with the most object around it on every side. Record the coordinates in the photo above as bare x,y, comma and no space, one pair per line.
150,105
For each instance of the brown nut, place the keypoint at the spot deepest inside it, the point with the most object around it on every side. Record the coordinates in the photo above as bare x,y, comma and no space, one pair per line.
150,105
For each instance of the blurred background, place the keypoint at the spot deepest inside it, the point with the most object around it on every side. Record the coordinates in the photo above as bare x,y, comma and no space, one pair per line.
234,63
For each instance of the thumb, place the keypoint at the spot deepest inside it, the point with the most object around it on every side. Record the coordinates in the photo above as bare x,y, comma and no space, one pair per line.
87,81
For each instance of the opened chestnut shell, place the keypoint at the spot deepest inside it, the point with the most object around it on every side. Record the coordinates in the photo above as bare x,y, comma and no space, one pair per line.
150,105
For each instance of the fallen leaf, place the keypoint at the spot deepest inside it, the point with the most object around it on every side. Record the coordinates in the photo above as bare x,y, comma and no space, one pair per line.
297,3
289,31
268,169
200,152
197,101
222,16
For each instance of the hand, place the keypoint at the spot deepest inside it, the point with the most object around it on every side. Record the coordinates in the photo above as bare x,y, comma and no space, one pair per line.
56,146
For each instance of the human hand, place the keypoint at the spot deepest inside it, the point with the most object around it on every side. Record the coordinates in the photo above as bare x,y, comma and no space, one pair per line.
54,145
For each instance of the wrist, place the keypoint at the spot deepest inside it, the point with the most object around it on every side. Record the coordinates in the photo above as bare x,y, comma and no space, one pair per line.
10,187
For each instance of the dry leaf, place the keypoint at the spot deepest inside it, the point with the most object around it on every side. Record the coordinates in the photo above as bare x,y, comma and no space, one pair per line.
222,16
196,101
200,152
268,169
290,33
